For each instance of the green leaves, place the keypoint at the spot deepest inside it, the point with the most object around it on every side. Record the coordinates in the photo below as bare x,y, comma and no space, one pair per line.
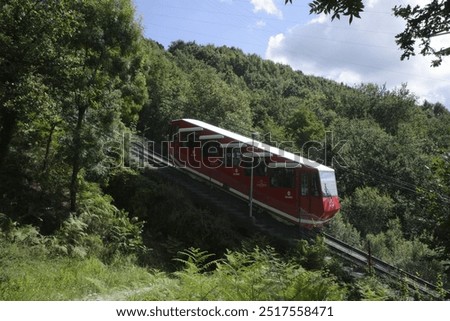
72,76
411,255
350,8
196,261
30,35
368,210
249,275
423,24
304,127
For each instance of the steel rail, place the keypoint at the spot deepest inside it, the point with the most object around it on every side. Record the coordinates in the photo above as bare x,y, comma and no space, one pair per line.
362,258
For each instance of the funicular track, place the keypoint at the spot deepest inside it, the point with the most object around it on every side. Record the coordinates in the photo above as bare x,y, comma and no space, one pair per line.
149,154
362,258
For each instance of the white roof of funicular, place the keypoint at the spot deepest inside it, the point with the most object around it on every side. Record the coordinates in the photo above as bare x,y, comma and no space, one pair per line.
259,145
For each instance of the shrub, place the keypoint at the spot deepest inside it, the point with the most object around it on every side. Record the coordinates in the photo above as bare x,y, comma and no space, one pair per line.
259,274
368,210
99,229
173,220
311,254
410,255
344,231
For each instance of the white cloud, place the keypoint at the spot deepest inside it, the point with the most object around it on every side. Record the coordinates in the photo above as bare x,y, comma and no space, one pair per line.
260,24
364,51
346,76
267,6
321,19
276,51
371,3
275,42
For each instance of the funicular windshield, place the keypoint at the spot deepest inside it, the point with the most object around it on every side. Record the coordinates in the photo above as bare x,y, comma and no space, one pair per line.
328,183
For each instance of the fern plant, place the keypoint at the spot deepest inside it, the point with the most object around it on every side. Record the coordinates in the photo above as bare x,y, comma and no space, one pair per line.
195,280
240,276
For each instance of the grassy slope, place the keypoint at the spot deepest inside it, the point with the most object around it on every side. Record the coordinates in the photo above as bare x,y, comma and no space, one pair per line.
27,274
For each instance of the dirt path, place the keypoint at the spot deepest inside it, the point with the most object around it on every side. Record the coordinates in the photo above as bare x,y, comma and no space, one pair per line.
121,295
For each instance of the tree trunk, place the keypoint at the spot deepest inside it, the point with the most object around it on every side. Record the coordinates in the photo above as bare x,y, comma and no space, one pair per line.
76,160
7,129
47,147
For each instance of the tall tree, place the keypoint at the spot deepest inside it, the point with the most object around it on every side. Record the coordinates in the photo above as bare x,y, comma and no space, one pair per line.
30,34
167,87
105,52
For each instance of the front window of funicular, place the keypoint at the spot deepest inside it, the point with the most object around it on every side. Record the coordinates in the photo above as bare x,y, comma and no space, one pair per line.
328,183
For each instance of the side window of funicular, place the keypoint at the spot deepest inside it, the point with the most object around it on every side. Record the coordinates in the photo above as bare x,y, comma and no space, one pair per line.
211,149
188,139
259,166
192,140
182,139
233,156
282,177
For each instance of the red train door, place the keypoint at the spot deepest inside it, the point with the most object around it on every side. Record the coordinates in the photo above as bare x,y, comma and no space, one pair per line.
309,192
304,191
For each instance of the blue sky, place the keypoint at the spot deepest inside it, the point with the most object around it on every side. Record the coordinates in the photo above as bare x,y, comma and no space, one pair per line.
362,52
237,23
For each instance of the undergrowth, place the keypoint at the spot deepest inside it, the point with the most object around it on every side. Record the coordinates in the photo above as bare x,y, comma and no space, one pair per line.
29,273
254,275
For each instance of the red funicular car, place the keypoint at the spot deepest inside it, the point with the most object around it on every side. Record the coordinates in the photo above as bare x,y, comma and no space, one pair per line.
294,188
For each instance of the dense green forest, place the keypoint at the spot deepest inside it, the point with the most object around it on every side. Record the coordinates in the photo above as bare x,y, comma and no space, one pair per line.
75,219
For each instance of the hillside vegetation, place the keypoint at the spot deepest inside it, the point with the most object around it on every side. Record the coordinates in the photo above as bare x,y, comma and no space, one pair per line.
68,198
